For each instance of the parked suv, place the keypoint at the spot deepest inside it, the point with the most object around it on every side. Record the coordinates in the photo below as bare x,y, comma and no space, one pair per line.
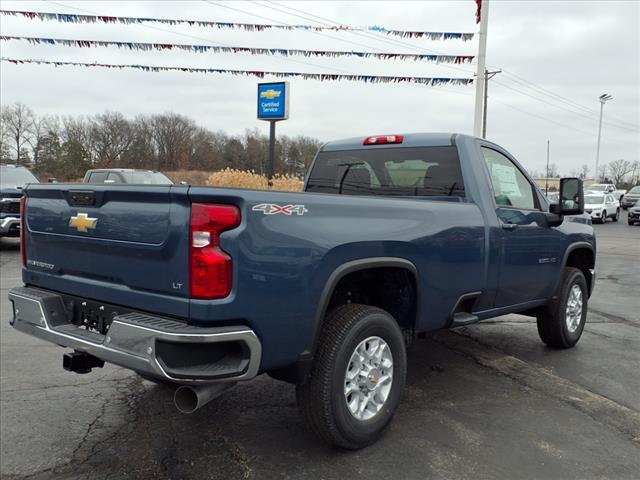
631,197
601,207
12,179
126,175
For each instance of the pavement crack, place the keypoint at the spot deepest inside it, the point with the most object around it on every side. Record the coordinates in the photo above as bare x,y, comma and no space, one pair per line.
598,407
615,318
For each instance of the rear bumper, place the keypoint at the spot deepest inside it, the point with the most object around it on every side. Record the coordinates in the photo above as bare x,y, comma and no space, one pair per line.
155,346
10,226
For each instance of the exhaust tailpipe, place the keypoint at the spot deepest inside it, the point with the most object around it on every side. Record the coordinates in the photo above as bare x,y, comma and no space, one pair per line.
189,398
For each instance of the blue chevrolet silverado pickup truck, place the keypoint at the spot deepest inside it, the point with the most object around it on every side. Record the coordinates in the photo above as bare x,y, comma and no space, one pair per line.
395,236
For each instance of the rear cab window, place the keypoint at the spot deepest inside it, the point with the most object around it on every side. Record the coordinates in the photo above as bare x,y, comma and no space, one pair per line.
397,171
98,177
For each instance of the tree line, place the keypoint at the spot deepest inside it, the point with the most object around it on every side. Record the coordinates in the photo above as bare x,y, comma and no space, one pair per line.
65,147
623,173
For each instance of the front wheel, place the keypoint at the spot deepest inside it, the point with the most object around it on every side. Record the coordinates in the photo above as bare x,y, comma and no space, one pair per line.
357,377
560,324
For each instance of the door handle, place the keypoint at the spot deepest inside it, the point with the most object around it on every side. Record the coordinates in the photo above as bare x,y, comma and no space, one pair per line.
509,226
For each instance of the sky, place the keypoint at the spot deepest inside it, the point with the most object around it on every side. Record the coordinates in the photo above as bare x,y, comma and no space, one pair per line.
553,55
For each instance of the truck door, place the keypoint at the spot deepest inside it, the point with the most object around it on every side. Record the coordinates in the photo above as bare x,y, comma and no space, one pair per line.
530,250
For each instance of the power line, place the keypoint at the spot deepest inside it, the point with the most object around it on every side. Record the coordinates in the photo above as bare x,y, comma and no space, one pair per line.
542,118
556,105
386,40
516,79
366,35
528,84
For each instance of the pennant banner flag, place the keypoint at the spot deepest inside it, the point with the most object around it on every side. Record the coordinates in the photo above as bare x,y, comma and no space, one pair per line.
285,52
432,81
250,27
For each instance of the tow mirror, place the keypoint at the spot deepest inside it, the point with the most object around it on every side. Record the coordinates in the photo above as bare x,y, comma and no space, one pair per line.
52,180
571,198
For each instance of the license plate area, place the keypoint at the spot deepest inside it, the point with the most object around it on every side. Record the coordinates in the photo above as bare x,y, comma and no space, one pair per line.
91,315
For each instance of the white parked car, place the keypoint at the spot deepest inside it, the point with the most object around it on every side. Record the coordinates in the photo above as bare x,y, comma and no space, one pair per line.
601,207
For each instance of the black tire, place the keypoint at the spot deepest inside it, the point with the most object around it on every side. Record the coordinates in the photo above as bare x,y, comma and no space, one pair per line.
630,222
617,215
552,324
321,399
624,208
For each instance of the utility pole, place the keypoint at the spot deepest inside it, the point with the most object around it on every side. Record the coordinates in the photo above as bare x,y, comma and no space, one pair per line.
487,76
546,179
480,74
604,98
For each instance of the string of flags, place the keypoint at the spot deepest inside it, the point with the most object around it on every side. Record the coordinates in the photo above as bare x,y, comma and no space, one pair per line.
430,81
250,27
285,52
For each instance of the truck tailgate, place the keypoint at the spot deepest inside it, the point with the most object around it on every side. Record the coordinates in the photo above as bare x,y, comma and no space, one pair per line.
121,244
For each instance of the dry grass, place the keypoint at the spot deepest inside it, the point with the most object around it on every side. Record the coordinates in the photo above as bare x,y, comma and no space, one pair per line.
230,177
193,177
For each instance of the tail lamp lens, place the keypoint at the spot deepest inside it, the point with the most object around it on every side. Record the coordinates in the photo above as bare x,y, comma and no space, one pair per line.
210,267
23,231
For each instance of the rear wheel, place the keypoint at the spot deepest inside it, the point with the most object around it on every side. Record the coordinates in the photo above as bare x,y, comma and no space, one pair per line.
560,324
357,376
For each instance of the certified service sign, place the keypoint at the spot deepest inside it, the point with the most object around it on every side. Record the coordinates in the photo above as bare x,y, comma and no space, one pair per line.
273,101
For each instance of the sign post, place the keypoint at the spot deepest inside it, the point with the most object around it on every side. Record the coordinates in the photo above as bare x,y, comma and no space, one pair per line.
273,105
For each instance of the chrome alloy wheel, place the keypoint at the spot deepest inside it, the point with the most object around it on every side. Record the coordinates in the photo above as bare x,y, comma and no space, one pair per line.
368,379
573,313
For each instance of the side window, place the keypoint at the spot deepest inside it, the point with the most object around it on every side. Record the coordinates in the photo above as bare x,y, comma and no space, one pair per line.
511,188
98,177
113,178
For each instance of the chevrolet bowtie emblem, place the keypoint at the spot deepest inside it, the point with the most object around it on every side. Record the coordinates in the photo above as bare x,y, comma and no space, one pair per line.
82,222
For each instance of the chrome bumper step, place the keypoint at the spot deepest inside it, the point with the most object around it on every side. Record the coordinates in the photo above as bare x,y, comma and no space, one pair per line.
156,346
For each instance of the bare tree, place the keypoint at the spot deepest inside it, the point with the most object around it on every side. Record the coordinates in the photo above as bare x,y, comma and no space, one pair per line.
601,174
553,171
584,171
41,127
173,135
619,169
111,136
634,177
17,121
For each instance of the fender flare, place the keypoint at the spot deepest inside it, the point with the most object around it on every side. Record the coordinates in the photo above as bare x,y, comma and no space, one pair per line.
571,248
340,272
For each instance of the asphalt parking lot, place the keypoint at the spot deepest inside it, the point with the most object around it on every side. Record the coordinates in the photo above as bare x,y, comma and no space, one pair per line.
486,401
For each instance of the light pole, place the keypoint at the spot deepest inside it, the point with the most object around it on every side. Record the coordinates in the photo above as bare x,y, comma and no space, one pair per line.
604,98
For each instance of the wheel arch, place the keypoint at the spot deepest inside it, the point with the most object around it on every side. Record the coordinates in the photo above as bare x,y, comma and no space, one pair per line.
298,372
581,255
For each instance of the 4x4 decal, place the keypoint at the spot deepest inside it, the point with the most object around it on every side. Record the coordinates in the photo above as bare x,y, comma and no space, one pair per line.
273,209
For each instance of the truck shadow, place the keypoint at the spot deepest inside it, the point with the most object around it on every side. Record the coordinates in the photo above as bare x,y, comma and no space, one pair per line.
252,431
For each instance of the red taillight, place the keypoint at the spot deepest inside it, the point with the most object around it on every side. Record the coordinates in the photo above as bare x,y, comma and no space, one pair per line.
383,139
209,266
23,230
